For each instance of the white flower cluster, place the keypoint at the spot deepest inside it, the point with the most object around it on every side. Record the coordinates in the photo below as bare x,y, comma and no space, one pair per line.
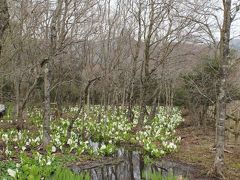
109,127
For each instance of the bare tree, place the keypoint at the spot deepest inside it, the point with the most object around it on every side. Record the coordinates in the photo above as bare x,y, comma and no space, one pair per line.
47,72
4,20
224,63
21,50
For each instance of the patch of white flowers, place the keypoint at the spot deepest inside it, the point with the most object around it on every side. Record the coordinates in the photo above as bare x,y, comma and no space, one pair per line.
109,127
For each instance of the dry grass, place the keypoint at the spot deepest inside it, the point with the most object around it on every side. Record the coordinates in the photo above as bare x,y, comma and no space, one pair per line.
197,148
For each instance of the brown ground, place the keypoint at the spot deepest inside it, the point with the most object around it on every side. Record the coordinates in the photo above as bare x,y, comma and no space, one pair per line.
197,149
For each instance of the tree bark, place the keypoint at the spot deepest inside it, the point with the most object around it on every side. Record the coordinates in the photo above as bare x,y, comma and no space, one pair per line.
47,74
224,59
145,67
47,112
4,21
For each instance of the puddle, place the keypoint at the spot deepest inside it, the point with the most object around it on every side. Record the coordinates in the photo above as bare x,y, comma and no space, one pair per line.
129,165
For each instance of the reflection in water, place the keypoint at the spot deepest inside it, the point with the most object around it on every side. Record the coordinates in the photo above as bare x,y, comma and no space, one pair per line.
132,168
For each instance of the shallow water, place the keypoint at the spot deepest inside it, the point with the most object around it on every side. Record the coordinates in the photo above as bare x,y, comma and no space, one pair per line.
132,167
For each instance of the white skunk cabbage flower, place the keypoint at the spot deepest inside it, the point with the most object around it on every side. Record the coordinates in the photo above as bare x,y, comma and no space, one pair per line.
54,149
12,173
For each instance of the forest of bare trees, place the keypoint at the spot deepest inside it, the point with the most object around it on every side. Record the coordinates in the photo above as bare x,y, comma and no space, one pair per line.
57,54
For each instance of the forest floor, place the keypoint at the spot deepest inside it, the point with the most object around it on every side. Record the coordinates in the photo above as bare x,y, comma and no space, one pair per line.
197,149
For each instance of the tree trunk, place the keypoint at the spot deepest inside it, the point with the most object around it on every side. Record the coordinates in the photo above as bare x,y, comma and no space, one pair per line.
145,67
47,74
17,98
224,59
4,20
47,112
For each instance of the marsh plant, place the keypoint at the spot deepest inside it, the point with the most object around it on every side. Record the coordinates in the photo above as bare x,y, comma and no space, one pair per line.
110,128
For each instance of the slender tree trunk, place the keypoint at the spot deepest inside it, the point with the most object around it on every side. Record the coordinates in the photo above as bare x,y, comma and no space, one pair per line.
134,67
154,106
224,59
17,98
47,112
4,21
17,64
47,74
145,80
